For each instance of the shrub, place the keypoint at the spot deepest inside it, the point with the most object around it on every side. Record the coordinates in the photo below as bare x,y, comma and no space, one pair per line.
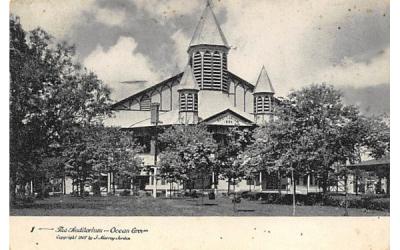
253,196
126,192
382,204
314,199
370,201
374,202
192,194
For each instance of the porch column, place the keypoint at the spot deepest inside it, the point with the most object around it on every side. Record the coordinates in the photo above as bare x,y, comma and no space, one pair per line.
155,183
213,181
131,186
308,182
31,187
388,183
261,181
108,182
152,146
64,186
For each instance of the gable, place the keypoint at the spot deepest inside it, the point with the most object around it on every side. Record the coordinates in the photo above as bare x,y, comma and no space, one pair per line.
228,118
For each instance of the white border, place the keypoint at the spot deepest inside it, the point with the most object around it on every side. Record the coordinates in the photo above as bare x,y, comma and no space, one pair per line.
395,123
4,108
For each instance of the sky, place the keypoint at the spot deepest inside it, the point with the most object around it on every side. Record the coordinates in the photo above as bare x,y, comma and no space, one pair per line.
342,42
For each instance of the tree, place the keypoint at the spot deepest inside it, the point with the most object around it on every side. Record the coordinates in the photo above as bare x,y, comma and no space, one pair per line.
229,155
280,146
322,119
377,139
50,95
96,150
313,130
188,153
171,167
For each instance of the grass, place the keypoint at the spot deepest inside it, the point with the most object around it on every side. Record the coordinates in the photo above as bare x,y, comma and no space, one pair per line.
148,206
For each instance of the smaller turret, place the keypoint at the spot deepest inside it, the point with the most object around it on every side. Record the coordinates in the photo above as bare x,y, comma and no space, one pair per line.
188,98
263,98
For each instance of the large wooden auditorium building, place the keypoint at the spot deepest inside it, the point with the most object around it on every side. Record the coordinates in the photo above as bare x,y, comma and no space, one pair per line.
206,92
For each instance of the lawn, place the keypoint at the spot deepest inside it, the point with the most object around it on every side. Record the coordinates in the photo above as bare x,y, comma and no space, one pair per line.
148,206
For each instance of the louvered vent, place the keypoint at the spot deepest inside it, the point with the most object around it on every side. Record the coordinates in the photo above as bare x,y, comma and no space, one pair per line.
263,104
145,103
197,68
267,103
188,102
182,99
207,71
225,86
210,70
195,103
216,70
259,104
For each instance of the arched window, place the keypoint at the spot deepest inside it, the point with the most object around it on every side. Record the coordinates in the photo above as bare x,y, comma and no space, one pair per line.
216,70
195,103
182,100
225,84
197,67
267,103
259,104
189,102
207,70
255,105
145,103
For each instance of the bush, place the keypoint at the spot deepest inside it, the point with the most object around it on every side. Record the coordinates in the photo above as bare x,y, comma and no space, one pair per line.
253,196
236,200
369,201
125,193
374,202
192,194
314,199
382,204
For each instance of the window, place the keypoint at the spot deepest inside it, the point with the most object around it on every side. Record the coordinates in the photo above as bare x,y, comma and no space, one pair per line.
197,71
182,98
207,71
267,105
225,86
195,103
216,70
189,102
259,104
145,103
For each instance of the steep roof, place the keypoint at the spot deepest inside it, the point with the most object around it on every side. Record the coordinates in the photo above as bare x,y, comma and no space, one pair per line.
263,84
211,104
188,81
146,90
208,30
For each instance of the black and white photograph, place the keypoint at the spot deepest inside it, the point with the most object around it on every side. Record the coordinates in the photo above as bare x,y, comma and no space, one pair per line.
203,108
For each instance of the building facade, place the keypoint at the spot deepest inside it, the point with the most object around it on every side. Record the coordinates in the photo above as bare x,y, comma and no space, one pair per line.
205,92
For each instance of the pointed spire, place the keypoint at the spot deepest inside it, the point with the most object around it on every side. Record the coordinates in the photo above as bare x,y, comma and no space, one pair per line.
208,30
188,82
263,84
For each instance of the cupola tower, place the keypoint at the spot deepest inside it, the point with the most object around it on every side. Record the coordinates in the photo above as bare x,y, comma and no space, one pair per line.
208,53
188,98
263,98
